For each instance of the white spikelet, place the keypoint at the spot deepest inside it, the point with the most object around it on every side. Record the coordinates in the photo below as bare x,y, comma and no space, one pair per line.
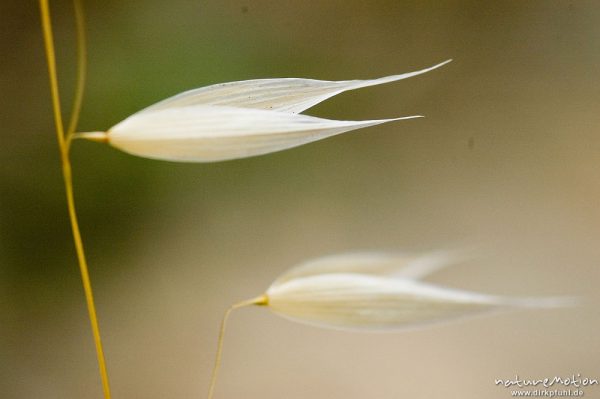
368,292
236,120
208,133
284,94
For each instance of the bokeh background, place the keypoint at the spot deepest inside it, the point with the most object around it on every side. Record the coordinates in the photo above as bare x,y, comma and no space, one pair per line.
507,161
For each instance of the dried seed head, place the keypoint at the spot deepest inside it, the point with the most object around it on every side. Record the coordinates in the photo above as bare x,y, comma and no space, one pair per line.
237,120
376,292
208,133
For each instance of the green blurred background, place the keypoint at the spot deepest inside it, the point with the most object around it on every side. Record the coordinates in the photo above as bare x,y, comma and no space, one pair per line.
507,161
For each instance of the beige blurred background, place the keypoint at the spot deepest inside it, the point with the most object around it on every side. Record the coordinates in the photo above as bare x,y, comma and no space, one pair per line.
507,161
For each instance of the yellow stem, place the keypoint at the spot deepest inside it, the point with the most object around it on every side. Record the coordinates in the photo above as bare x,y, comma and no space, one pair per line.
85,277
67,173
261,301
51,57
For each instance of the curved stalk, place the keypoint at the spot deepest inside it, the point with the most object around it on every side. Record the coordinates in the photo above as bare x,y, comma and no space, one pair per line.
81,67
260,301
63,142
